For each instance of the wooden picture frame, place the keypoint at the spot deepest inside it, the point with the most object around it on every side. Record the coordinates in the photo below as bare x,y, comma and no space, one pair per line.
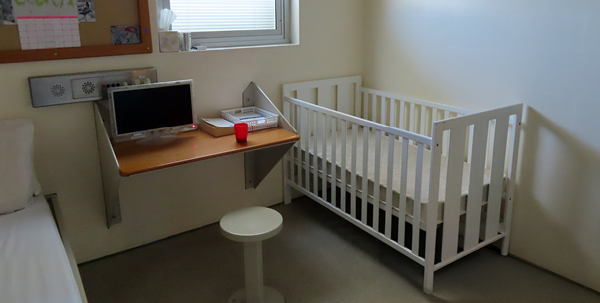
15,56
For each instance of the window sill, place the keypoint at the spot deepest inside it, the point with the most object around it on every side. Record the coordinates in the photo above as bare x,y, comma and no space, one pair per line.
251,46
235,47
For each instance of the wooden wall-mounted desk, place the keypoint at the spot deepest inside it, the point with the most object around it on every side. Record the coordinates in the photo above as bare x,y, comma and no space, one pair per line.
193,146
262,152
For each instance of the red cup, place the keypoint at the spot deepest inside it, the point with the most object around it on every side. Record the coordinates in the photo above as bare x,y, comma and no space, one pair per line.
241,132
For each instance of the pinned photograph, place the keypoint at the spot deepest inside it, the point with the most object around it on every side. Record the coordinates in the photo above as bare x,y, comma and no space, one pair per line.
7,15
125,34
86,11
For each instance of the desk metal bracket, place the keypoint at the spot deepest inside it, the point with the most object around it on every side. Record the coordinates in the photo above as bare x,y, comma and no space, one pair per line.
111,178
258,164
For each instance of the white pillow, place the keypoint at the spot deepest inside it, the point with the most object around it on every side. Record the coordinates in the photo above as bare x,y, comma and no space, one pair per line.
18,183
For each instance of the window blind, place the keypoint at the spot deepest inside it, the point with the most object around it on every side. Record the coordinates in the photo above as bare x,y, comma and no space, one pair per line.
223,15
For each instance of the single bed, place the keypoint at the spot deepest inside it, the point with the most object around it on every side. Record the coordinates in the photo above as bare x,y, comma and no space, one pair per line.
34,264
404,151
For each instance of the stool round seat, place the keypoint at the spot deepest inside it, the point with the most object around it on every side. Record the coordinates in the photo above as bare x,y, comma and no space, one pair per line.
251,224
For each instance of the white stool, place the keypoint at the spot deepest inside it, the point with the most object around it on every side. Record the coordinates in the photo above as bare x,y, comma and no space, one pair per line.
251,226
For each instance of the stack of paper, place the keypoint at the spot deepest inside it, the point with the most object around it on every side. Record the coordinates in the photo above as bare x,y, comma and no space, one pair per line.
218,122
216,126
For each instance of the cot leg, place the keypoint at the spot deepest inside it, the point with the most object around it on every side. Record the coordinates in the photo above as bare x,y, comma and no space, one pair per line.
505,244
287,190
287,193
428,281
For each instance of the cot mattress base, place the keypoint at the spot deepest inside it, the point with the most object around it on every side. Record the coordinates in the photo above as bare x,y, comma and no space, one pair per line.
396,188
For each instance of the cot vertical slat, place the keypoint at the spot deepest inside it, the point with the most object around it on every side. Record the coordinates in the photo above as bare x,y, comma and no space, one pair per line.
353,168
365,106
510,144
306,124
343,170
403,185
383,108
491,138
298,155
496,184
475,185
343,98
324,158
376,181
294,151
470,144
365,175
432,206
389,189
393,112
401,120
293,109
511,186
287,91
357,100
324,97
286,163
333,160
417,199
315,137
374,112
434,117
453,193
304,95
287,110
445,150
423,113
411,118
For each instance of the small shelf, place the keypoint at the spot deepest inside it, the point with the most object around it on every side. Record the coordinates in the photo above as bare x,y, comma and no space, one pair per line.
190,147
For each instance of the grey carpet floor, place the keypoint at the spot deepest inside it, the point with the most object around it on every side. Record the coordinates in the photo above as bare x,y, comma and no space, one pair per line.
318,257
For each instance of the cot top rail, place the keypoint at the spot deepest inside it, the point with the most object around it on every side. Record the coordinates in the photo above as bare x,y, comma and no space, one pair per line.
366,123
483,116
455,109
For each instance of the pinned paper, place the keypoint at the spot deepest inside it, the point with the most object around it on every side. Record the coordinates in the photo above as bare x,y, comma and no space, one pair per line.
47,24
86,11
125,34
44,8
48,32
7,17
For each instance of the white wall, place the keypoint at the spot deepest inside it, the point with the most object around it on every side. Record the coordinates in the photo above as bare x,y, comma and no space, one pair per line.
159,204
485,54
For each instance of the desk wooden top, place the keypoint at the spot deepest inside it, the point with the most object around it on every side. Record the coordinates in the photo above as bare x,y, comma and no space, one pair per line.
192,146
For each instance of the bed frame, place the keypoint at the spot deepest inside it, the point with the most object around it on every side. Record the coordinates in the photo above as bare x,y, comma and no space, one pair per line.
323,110
57,212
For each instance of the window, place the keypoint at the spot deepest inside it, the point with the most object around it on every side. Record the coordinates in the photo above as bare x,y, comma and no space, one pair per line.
227,23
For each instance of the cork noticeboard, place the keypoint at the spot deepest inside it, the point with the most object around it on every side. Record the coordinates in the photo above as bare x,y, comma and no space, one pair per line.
96,40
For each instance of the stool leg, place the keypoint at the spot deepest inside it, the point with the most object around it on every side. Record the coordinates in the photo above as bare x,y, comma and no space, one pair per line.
253,264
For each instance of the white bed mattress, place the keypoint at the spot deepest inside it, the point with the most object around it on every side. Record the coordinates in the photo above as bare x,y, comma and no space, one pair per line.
33,262
397,170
